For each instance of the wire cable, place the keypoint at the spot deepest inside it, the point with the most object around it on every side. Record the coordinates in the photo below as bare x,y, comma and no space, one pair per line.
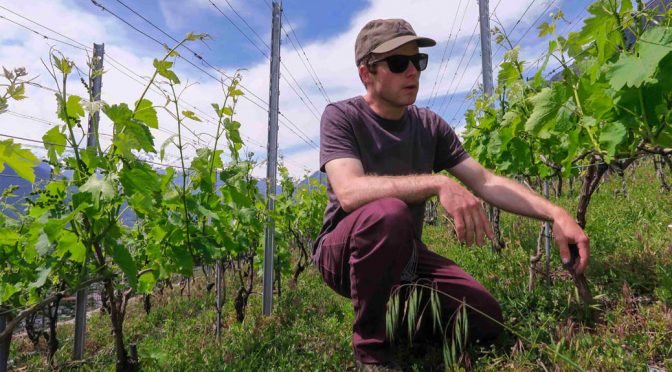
263,53
305,139
443,100
450,34
310,68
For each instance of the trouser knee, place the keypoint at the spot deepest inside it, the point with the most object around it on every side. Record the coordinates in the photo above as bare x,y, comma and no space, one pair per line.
387,221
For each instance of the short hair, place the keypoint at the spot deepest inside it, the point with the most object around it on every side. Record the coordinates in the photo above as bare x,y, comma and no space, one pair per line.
367,62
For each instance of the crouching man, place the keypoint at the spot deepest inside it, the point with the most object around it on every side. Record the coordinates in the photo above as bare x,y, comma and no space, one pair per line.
380,153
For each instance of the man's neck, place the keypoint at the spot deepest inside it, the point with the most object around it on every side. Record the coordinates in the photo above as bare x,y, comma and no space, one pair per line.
383,109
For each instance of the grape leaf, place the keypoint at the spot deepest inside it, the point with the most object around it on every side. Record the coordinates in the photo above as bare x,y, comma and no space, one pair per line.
636,68
146,113
54,142
611,135
21,160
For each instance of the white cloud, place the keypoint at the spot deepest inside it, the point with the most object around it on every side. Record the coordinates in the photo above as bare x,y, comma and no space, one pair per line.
332,59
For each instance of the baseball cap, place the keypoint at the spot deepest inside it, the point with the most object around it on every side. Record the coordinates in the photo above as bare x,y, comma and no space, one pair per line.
383,35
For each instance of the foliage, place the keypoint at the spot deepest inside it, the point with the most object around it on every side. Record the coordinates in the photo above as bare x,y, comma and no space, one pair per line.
75,230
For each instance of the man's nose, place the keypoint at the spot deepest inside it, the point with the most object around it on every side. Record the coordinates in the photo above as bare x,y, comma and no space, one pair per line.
411,70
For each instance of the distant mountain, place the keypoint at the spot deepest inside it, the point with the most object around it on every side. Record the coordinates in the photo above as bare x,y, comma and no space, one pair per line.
318,175
9,178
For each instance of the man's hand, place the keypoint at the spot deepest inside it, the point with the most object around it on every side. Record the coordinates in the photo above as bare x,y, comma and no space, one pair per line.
566,232
471,225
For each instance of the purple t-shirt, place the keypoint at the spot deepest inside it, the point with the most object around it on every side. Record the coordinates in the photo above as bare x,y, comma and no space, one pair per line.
421,142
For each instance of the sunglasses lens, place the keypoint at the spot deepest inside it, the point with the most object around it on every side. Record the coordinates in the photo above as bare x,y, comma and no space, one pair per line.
397,64
421,62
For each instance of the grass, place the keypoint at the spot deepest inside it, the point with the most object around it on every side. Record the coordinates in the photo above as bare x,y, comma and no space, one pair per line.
630,272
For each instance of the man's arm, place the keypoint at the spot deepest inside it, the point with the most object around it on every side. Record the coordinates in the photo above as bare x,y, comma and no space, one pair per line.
353,189
513,197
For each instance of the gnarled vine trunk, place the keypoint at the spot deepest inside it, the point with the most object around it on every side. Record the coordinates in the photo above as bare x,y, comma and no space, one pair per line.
4,345
245,289
118,302
52,339
497,244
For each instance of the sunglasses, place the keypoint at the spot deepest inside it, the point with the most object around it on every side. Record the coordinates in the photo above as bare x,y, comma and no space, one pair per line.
399,63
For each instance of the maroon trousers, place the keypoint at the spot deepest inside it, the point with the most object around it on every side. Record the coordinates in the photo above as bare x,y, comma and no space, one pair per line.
374,249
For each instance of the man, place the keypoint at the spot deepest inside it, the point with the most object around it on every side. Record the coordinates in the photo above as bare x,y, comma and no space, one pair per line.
379,152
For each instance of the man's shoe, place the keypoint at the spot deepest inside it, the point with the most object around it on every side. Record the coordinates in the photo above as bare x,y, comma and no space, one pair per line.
390,366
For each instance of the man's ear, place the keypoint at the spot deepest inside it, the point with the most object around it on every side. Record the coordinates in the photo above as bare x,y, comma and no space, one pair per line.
364,74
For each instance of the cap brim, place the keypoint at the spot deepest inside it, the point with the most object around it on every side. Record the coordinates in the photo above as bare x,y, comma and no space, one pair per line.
401,40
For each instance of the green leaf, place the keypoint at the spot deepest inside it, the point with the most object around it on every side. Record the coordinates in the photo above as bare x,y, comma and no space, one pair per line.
119,114
123,258
601,30
17,92
22,161
193,37
191,115
63,65
8,236
7,290
218,110
170,75
183,260
100,188
146,113
165,144
69,242
129,134
42,246
634,69
54,142
42,275
135,137
664,139
564,120
74,107
508,73
142,204
572,142
146,282
546,105
141,179
162,65
611,135
546,29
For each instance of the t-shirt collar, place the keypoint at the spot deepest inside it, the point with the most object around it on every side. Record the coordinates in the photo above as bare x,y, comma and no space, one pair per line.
386,122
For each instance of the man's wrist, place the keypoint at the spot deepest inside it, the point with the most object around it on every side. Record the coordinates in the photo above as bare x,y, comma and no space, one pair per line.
557,213
440,181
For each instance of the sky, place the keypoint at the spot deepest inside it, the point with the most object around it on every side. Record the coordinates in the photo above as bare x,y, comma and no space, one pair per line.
317,54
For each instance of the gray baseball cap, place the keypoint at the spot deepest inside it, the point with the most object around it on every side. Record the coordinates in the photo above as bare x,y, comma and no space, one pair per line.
383,35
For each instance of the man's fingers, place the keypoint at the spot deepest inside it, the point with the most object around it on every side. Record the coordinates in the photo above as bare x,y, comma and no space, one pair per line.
469,225
459,226
565,255
479,227
486,224
584,255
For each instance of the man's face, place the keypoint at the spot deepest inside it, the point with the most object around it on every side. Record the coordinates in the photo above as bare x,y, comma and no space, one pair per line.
395,89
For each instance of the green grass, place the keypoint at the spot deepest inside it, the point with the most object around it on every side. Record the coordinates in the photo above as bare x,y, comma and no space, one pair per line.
630,272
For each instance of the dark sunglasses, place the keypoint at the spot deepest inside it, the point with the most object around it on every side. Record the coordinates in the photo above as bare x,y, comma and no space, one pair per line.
399,63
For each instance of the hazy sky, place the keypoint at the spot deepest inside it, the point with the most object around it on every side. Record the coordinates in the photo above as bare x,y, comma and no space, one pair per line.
325,29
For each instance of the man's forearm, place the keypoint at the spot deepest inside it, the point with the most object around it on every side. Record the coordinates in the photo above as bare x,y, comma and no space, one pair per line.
411,189
513,197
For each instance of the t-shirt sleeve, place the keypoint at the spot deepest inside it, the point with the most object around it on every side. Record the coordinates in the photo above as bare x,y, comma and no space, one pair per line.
449,149
337,139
